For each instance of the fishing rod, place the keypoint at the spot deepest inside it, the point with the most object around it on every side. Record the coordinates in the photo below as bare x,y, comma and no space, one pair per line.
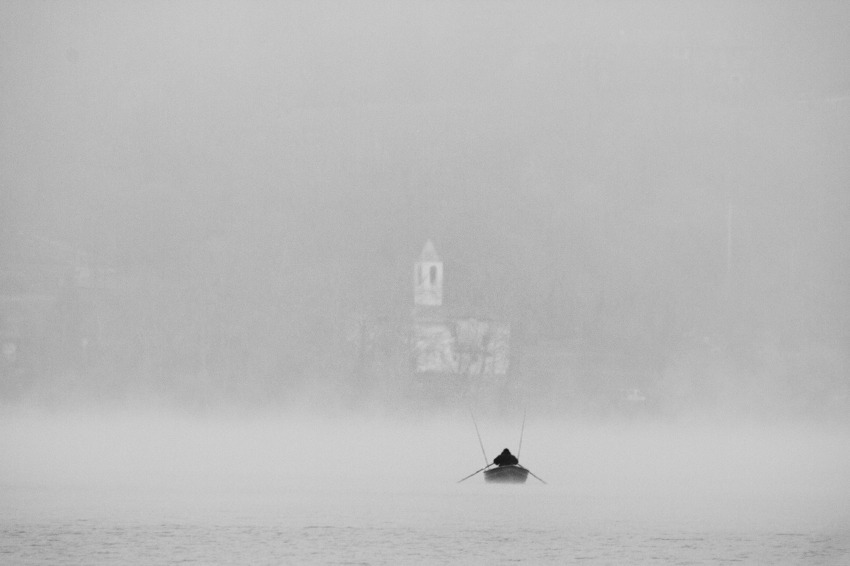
480,443
521,432
473,473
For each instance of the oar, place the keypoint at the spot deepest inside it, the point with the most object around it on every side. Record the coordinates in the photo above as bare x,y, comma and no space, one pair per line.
530,472
481,470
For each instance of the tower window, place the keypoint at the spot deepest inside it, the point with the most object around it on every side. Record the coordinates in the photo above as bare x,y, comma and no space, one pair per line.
433,274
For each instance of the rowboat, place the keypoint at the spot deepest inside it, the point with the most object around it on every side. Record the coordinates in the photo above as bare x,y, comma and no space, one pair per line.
506,474
508,469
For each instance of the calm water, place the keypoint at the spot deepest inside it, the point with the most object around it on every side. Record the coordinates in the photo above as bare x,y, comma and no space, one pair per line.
153,492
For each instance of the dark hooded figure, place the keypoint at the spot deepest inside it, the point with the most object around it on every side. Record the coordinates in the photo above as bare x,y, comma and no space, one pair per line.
506,459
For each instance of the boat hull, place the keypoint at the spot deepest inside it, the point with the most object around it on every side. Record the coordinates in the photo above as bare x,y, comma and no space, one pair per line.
506,474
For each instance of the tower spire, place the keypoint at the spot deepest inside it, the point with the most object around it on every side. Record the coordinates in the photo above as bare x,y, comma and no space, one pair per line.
428,277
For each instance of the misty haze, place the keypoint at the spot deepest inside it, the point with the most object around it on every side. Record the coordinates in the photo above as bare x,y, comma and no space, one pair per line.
274,277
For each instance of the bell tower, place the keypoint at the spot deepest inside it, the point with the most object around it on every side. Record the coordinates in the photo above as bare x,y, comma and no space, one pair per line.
428,278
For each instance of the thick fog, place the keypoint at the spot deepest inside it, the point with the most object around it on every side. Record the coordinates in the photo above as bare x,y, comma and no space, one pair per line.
275,276
204,204
310,472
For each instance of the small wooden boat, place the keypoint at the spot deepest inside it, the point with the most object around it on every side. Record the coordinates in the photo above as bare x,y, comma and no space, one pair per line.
510,471
506,474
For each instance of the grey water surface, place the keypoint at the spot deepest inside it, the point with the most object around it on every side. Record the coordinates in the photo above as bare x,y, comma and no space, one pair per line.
106,490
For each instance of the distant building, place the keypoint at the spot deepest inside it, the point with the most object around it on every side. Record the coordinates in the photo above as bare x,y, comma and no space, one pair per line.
428,278
446,340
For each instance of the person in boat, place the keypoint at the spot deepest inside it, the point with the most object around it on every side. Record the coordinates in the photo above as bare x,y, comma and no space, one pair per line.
506,459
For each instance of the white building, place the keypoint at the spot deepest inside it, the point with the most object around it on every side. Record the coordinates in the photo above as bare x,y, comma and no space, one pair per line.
449,342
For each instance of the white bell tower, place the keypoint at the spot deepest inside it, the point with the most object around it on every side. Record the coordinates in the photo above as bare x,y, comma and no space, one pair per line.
428,278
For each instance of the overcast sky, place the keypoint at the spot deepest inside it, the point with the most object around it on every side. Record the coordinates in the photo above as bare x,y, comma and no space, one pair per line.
552,138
